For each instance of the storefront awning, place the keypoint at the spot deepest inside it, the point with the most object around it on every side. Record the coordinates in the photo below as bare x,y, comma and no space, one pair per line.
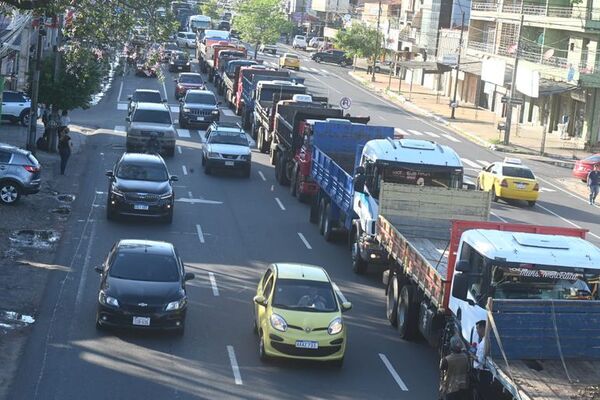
428,67
550,87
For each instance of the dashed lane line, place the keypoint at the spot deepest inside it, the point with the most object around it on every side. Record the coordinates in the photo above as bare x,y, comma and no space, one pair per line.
393,372
200,234
213,284
308,246
234,366
184,169
179,149
262,176
451,138
279,203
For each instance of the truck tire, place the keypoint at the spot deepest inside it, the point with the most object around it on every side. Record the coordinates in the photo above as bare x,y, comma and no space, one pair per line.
408,313
263,144
280,174
359,266
322,207
494,196
391,304
294,181
328,225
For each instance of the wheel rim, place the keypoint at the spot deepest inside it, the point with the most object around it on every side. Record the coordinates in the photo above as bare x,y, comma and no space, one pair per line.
391,297
401,315
9,194
25,119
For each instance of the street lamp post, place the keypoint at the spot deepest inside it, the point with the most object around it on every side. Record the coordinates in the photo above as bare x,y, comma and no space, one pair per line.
376,43
35,87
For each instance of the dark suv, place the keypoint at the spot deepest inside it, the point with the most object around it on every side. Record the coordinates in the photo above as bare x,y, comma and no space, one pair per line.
332,56
198,107
180,61
140,185
20,174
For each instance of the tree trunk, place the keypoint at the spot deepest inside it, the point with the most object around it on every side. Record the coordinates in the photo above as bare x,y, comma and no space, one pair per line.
54,124
256,50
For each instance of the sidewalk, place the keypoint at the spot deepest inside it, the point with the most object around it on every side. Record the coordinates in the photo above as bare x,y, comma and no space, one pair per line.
478,125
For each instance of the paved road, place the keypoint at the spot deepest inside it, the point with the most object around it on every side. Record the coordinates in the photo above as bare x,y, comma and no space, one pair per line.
227,230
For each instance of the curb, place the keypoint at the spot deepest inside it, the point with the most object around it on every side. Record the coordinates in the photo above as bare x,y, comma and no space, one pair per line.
394,97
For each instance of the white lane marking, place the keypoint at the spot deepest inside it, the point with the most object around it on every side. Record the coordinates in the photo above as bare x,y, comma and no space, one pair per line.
382,117
280,203
174,109
200,234
234,366
435,135
330,87
164,89
324,71
470,163
483,162
451,138
497,216
120,90
308,246
184,169
120,128
416,133
122,106
213,284
273,64
314,69
86,265
547,190
393,372
262,176
303,69
227,112
402,132
183,133
179,149
566,220
339,292
190,195
197,201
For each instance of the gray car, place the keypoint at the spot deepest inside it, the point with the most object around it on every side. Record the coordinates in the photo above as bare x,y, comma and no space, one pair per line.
20,174
150,122
198,107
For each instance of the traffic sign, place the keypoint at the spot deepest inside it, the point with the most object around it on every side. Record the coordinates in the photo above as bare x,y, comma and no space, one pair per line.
345,103
515,101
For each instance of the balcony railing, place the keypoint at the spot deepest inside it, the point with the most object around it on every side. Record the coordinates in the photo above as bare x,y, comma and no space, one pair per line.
481,46
575,11
485,6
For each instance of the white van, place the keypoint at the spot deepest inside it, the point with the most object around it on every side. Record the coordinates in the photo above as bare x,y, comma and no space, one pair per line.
199,23
299,42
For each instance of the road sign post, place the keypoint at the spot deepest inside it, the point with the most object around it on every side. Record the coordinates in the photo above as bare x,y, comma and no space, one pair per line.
345,103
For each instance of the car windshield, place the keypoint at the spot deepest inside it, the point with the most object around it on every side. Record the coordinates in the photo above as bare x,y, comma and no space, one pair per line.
291,56
304,295
144,267
517,172
593,159
200,98
190,79
142,172
181,57
190,35
225,137
147,97
152,116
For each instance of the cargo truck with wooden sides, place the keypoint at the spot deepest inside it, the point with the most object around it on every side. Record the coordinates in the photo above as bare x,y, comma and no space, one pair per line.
204,45
231,49
225,57
230,78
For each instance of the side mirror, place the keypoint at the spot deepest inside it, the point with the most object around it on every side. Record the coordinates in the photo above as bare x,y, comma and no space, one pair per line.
173,178
460,286
175,80
359,183
260,300
110,174
127,119
346,306
99,269
219,103
129,97
165,101
188,276
181,100
463,266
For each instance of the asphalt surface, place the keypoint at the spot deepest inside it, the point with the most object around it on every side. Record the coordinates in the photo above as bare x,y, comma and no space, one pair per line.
227,230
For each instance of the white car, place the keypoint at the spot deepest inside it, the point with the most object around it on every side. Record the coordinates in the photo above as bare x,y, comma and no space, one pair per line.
299,42
316,42
226,147
186,39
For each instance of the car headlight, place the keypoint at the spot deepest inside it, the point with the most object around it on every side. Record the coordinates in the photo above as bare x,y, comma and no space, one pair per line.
213,155
116,192
277,322
166,195
246,157
335,326
187,63
176,305
187,110
172,63
215,112
106,300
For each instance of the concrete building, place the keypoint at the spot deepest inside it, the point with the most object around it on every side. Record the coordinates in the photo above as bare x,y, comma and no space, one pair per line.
559,49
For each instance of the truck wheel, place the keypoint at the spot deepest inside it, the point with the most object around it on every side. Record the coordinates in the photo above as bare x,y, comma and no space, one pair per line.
359,265
494,197
327,224
391,304
322,216
280,170
314,211
407,313
263,145
294,182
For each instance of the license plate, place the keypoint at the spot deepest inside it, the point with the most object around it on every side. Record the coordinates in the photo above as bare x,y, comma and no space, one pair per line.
307,344
229,163
141,321
140,207
521,186
199,118
178,67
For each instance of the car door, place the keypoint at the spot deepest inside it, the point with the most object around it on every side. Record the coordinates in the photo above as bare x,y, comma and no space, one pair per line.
494,175
264,288
5,157
10,104
484,177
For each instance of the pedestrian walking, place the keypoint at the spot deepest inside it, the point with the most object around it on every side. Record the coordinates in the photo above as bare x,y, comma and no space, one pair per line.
454,372
593,181
64,149
562,127
64,121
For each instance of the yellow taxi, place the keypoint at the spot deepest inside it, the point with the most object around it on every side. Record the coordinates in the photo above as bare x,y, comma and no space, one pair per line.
288,60
509,179
298,314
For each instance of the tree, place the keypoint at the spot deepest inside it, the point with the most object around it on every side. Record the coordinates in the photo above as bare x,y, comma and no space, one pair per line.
211,9
358,41
261,21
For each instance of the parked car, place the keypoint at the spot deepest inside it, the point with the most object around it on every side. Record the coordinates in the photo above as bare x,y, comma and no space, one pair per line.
20,174
288,60
268,48
166,50
198,107
298,314
509,179
332,56
186,39
144,96
180,61
140,185
15,107
142,285
582,168
150,121
299,42
186,81
316,42
226,147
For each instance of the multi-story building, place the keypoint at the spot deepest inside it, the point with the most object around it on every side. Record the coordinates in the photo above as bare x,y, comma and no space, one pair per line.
559,44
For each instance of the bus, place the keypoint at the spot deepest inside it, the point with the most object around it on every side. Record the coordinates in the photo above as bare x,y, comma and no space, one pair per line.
199,23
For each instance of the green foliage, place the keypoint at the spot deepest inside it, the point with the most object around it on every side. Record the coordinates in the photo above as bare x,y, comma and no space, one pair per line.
261,21
360,40
210,9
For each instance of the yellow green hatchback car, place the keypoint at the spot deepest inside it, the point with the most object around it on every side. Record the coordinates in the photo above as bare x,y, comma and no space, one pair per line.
298,314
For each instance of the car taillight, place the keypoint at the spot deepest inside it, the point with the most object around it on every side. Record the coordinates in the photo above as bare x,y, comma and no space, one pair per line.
504,183
31,168
536,187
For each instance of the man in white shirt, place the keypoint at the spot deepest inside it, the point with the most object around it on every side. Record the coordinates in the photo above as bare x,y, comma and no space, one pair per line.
479,362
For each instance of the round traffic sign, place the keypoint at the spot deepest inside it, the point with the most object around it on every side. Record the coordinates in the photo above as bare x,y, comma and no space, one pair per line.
345,103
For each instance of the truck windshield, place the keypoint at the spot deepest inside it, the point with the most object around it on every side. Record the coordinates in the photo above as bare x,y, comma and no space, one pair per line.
423,175
529,281
199,24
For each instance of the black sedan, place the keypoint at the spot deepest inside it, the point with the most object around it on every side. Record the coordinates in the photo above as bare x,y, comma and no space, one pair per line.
180,61
142,286
140,185
332,56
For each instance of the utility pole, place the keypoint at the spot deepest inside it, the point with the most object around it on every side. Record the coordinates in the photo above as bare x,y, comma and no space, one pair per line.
376,43
35,88
512,86
55,116
460,43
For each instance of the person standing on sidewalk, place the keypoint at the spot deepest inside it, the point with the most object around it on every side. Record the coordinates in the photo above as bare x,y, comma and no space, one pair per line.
64,149
562,127
593,181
